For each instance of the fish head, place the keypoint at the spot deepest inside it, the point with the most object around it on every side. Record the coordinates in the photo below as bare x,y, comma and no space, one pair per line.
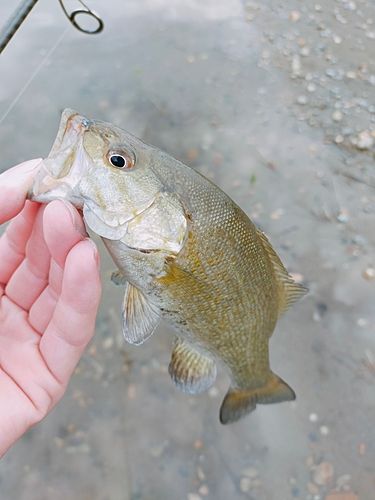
101,170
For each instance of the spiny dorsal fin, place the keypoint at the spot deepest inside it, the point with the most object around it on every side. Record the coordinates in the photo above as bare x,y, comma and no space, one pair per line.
139,316
190,370
290,290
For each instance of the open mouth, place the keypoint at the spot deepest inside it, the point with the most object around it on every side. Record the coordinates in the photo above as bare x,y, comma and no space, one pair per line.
61,172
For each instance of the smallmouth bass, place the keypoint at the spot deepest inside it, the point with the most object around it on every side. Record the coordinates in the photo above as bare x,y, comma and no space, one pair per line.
185,252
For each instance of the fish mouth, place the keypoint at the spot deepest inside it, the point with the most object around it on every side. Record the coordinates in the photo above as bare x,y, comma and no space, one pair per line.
60,173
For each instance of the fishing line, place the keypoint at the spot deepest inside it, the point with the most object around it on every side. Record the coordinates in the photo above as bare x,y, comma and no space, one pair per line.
33,75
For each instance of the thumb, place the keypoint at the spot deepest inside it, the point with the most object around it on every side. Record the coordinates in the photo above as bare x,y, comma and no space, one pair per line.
14,184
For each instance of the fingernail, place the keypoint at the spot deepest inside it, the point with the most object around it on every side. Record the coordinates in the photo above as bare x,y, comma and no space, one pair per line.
94,250
76,218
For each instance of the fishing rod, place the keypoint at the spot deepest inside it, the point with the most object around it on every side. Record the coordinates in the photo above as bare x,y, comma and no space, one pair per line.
23,10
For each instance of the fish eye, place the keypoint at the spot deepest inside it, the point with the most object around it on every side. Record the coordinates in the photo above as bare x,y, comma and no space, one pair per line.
122,161
117,161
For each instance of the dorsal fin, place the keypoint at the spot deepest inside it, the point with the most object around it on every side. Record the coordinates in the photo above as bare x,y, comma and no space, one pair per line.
290,290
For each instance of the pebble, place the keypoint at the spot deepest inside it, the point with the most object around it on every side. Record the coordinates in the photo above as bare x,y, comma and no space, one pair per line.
362,449
276,214
336,495
203,490
362,322
198,444
343,481
193,496
245,484
108,343
337,116
213,392
369,274
364,140
200,473
302,100
324,430
132,391
305,51
294,16
296,66
93,350
339,139
343,215
192,154
323,473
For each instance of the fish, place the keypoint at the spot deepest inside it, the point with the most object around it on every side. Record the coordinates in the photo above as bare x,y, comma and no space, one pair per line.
185,253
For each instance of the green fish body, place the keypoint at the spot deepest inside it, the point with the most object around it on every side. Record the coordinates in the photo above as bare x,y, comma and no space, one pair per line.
185,253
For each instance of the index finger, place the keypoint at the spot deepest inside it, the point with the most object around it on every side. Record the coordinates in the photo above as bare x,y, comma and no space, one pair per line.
14,184
73,321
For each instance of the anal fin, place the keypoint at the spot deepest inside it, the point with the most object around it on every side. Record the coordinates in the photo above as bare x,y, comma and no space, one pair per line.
192,371
140,317
239,402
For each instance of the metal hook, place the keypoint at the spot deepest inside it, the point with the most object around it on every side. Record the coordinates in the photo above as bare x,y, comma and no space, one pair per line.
86,11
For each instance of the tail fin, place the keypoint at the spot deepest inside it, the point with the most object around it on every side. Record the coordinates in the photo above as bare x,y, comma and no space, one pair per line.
239,402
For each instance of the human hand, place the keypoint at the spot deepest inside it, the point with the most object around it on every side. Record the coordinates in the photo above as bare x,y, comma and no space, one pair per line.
49,295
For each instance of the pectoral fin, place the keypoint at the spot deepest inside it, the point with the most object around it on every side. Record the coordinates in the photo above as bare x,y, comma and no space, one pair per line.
140,317
239,402
190,370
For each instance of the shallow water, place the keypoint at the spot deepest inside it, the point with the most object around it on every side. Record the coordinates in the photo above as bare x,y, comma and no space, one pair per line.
250,94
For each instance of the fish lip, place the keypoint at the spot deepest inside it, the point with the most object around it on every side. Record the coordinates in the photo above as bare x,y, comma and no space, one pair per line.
58,175
70,121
